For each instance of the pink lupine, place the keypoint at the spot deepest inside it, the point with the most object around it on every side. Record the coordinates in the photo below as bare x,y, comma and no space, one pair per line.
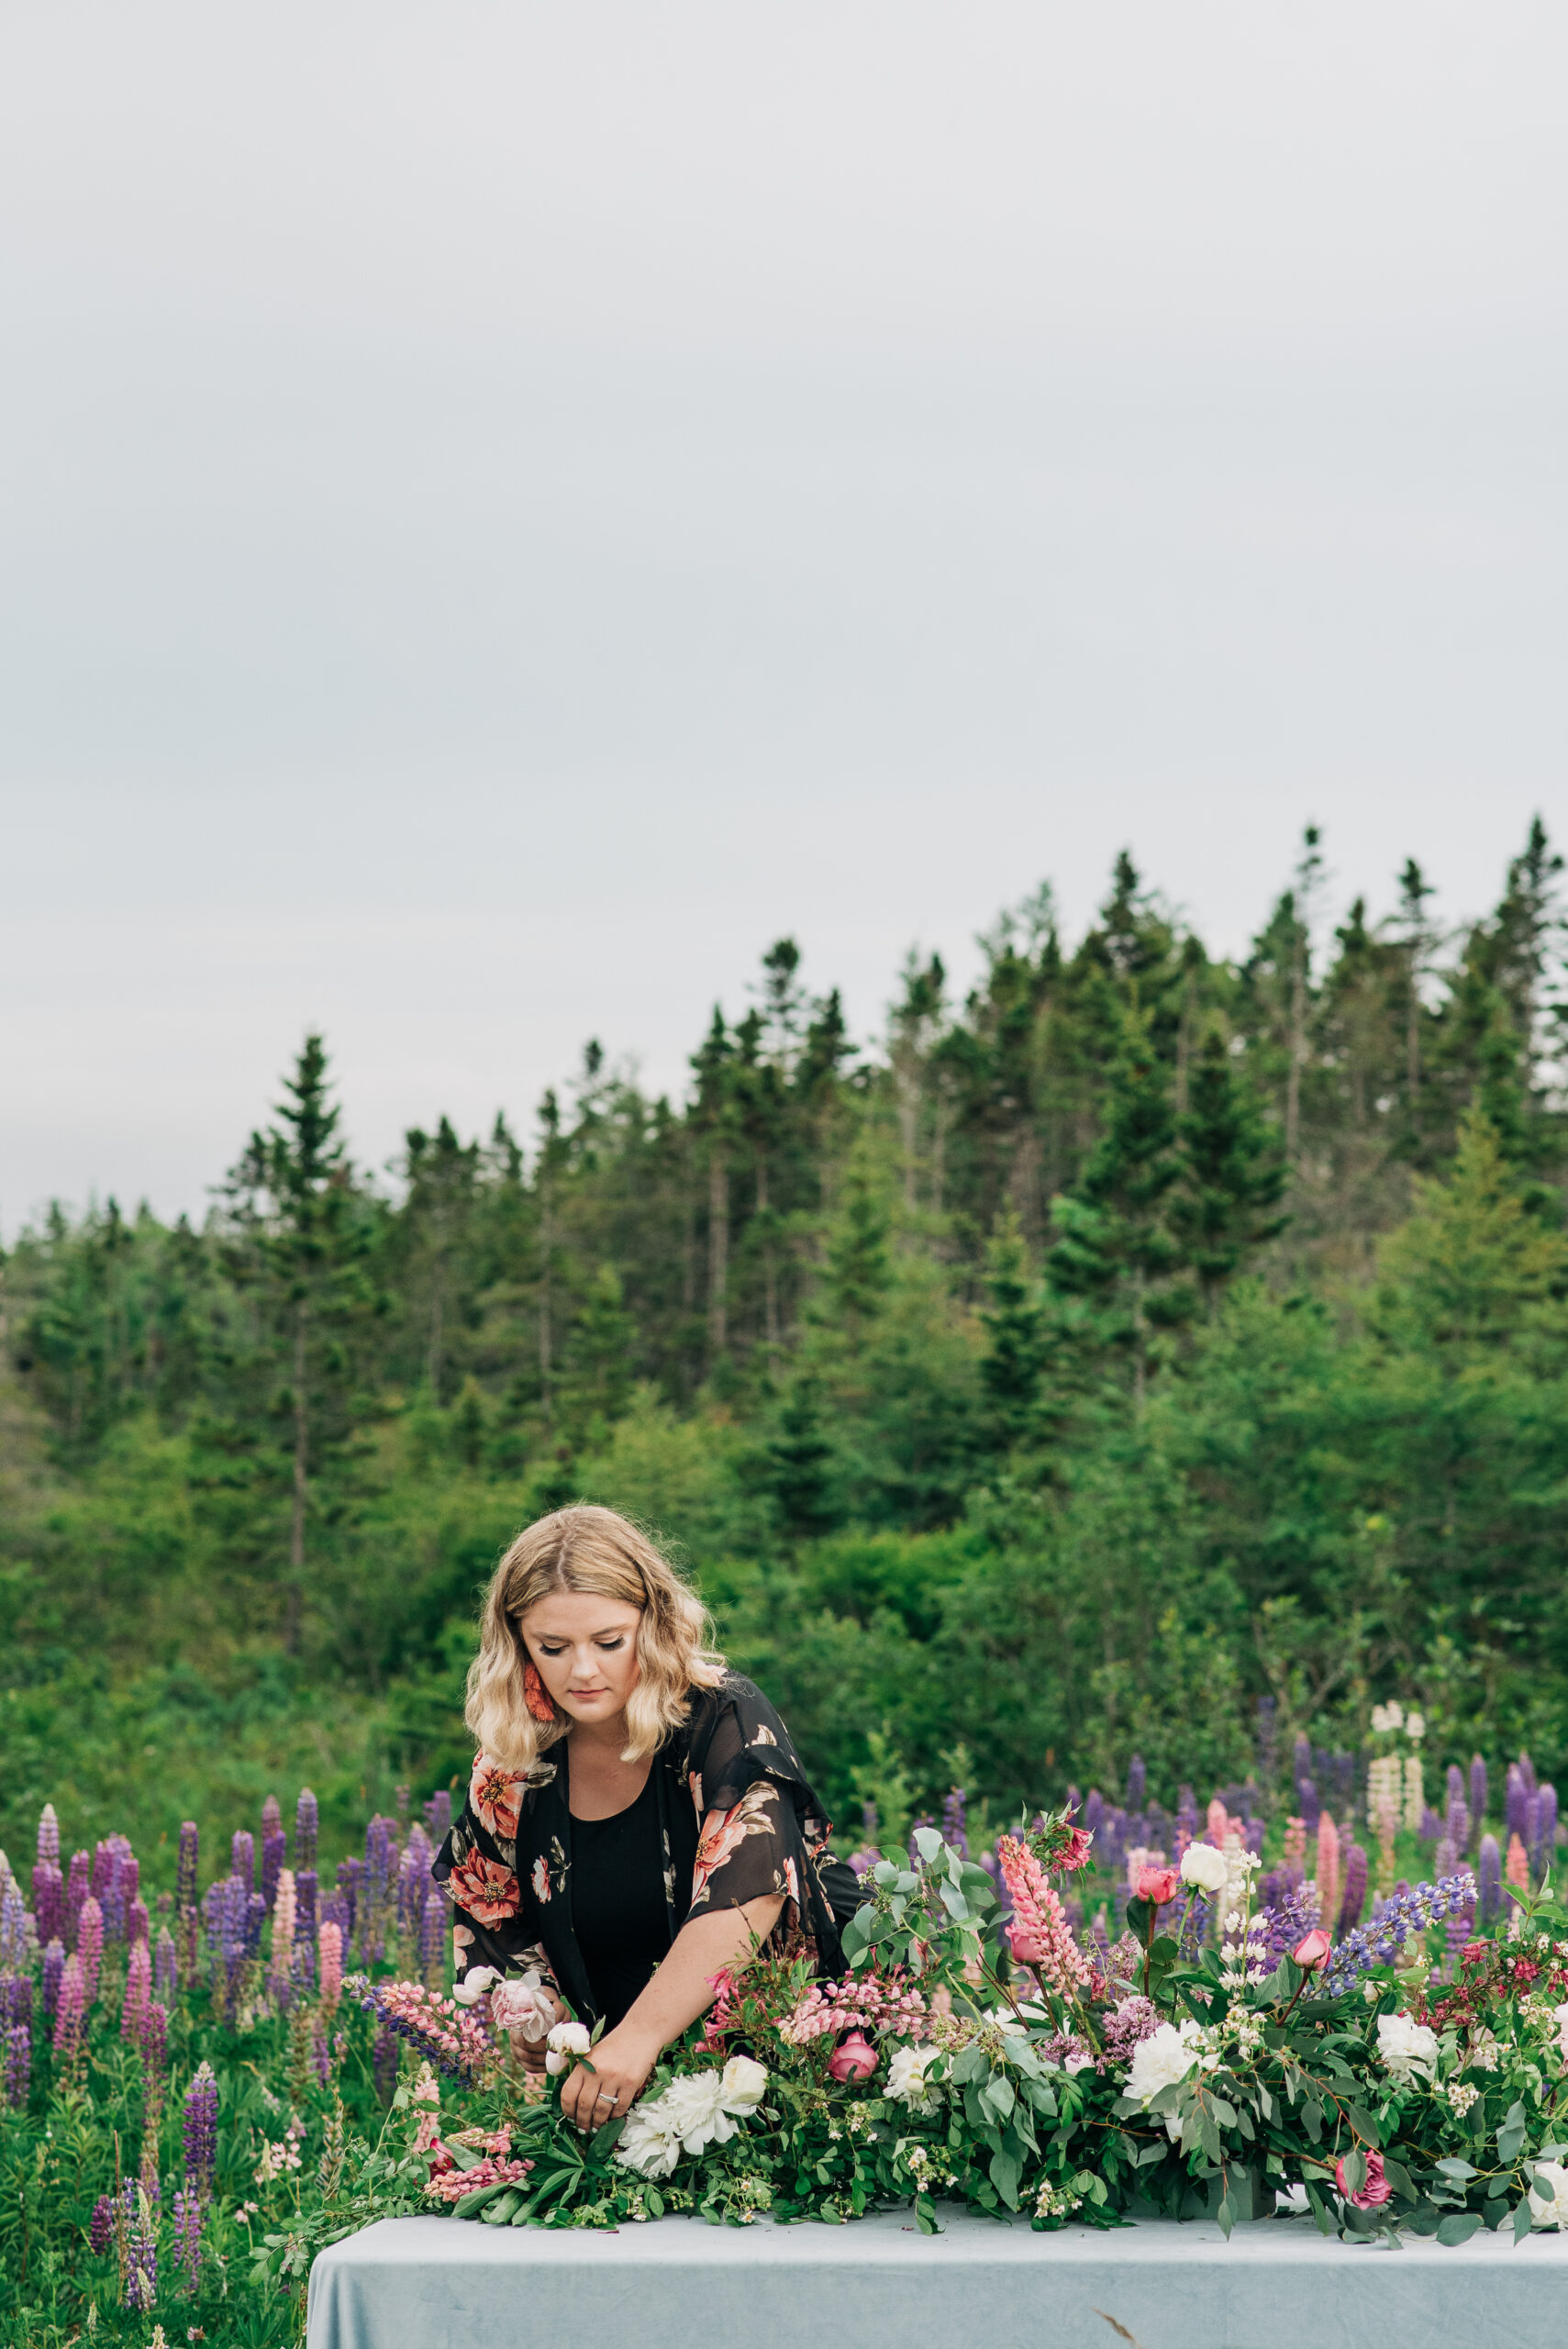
1328,1866
1039,1933
283,1914
137,1991
1515,1867
70,2010
329,1941
90,1947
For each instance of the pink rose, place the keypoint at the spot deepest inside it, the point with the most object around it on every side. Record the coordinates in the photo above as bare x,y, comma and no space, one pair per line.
854,2058
1024,1946
1313,1951
1376,2189
1158,1885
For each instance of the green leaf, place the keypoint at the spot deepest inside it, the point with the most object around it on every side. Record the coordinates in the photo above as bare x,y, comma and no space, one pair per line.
1398,2177
1509,2141
1355,2170
1005,2171
1226,2216
1459,2227
1521,2219
1457,2169
1312,2116
653,2202
1363,2125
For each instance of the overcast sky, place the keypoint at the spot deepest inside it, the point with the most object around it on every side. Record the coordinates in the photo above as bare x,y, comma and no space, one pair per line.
505,510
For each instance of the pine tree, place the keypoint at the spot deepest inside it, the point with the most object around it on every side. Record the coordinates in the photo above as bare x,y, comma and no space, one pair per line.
1232,1176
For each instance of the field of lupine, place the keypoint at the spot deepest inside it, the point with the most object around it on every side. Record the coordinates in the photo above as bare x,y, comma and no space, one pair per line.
205,2081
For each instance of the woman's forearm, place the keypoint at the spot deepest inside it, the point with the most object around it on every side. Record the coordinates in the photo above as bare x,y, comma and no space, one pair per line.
683,1988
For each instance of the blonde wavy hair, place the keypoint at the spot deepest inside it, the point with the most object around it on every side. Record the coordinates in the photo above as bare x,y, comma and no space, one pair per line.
591,1550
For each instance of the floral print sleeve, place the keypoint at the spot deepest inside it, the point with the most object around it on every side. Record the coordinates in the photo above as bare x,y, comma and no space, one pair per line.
494,1919
762,1827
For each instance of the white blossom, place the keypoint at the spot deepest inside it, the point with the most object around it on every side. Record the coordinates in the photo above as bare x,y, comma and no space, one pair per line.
1549,2196
1407,2047
906,2077
523,2004
474,1984
1203,1865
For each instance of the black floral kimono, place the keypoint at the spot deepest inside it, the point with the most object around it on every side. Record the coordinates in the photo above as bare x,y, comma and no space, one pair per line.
507,1865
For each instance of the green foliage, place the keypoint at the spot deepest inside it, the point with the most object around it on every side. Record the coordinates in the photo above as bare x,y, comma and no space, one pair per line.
1144,1322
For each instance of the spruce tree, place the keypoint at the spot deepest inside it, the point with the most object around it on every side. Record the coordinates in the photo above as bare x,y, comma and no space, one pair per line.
797,1465
1112,1244
1017,1344
1232,1175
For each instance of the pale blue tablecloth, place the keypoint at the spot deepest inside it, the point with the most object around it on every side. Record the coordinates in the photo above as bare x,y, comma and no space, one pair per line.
678,2284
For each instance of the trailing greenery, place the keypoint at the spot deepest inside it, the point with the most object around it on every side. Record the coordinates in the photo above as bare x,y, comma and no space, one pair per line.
1146,1333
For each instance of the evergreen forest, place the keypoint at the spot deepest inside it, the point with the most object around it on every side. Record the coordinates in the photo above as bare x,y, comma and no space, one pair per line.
1142,1336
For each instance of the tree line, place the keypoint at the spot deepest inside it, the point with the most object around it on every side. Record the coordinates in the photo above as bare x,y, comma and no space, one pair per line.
1145,1332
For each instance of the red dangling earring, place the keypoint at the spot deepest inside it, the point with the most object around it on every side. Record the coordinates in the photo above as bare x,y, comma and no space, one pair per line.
534,1693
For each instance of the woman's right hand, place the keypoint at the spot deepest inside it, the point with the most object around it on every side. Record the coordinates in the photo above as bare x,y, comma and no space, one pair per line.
532,2051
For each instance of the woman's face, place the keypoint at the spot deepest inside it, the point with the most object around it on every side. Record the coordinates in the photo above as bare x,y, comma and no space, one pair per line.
585,1650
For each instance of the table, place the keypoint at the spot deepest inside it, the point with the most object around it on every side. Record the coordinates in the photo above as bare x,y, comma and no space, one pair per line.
439,2283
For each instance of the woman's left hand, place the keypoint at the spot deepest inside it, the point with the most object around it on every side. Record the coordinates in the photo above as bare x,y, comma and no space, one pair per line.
621,2062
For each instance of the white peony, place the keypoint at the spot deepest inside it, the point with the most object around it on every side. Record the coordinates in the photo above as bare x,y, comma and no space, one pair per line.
1549,2196
649,2143
695,2112
523,2004
1167,2054
906,2077
1203,1865
1407,2047
474,1984
566,2040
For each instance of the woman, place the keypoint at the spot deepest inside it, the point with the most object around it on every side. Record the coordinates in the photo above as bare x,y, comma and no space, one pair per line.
635,1805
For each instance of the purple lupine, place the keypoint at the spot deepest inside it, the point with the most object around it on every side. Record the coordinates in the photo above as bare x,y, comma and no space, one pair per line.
188,2235
1516,1802
1546,1829
69,2008
242,1859
306,1825
1193,1927
141,2259
199,2129
274,1855
1281,1928
48,1901
14,1924
1186,1817
105,1868
16,1998
1459,1822
152,2038
1456,1933
1455,1785
1094,1817
413,1874
138,1923
955,1820
433,1938
1137,1783
438,1816
166,1967
304,1890
1310,1804
48,1837
337,1910
1412,1911
1527,1772
272,1818
1432,1824
1489,1871
383,2063
78,1885
18,2039
381,1858
1353,1898
1445,1859
350,1878
53,1967
185,1867
255,1918
101,2229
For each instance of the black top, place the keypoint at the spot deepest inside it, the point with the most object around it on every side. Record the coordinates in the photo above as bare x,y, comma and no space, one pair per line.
726,1776
618,1906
